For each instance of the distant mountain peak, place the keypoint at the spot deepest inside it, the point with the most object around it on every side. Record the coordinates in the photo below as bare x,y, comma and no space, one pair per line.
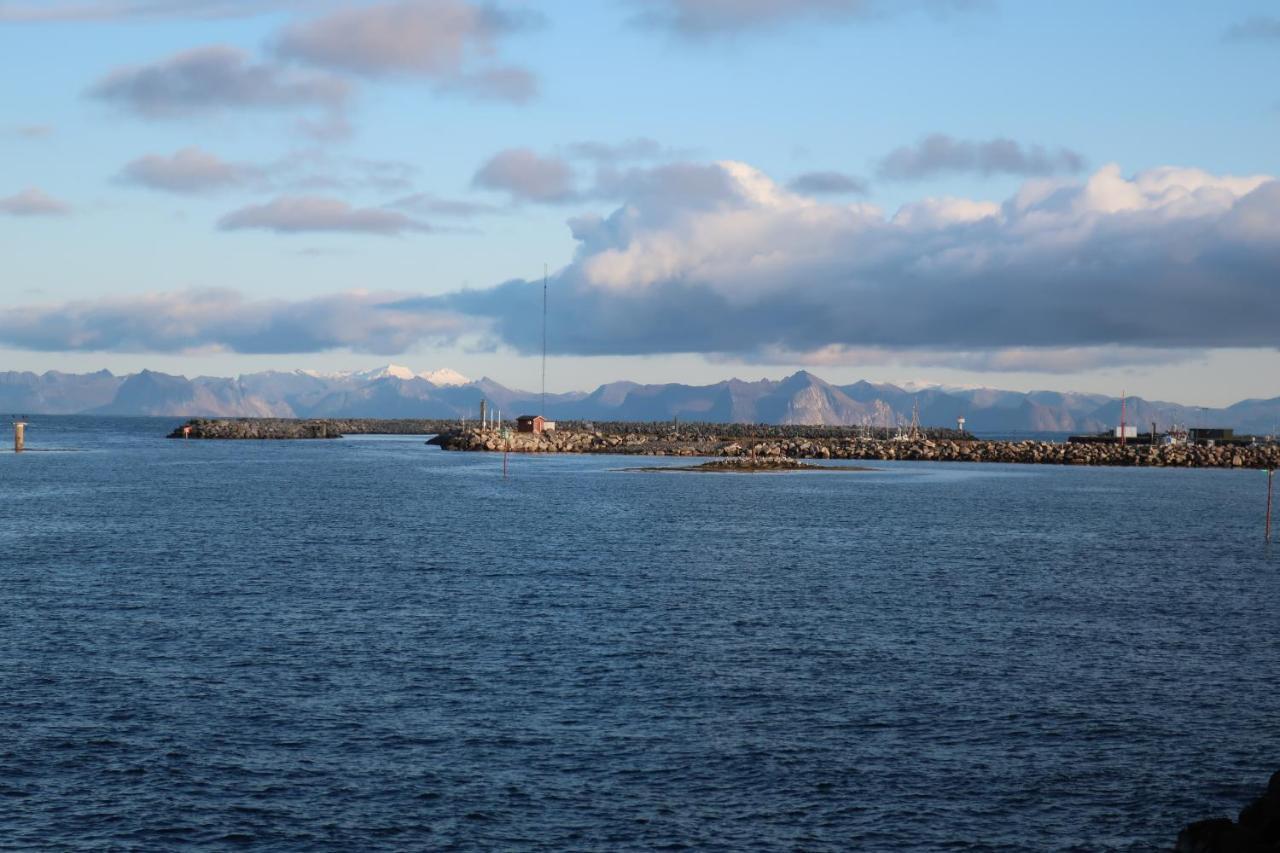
445,377
393,371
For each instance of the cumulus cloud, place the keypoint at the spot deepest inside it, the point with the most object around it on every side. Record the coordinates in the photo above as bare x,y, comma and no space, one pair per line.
526,175
33,202
828,183
216,78
222,319
1258,28
449,41
695,18
939,154
1169,259
188,170
304,214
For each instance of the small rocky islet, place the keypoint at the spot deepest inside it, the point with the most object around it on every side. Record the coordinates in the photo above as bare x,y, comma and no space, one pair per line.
749,465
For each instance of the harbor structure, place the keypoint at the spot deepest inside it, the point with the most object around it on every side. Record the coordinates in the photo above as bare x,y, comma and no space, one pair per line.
19,435
531,423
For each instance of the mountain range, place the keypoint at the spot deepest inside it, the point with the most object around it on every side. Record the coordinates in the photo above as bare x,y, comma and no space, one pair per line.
802,398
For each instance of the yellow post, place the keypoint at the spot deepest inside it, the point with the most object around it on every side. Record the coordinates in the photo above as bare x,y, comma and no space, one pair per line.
19,436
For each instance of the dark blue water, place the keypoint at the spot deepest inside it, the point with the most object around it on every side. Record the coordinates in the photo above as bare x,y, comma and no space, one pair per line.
371,644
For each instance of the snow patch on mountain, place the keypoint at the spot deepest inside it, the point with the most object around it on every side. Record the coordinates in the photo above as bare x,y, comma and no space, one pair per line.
444,377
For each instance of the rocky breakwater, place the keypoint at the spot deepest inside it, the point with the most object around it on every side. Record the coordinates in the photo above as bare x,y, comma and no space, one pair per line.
290,428
850,447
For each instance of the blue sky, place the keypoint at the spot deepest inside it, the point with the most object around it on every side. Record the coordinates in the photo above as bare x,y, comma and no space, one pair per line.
677,279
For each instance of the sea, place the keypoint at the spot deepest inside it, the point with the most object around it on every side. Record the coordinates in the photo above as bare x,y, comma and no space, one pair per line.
370,644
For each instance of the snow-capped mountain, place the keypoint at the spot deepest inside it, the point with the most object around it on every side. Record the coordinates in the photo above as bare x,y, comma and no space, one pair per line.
396,391
443,377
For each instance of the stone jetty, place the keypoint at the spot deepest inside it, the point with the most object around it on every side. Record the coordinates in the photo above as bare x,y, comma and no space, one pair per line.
289,428
859,448
744,440
1256,831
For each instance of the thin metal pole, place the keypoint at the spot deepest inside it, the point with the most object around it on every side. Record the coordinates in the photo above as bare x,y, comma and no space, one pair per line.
1270,477
1122,418
545,271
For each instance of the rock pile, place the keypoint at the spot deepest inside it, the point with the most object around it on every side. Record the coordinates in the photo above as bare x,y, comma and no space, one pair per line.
1256,831
749,465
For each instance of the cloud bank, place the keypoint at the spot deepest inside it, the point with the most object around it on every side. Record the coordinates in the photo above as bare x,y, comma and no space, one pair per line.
223,320
718,259
1167,259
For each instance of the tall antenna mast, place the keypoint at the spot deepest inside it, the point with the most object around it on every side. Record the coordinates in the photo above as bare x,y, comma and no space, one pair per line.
1122,418
544,341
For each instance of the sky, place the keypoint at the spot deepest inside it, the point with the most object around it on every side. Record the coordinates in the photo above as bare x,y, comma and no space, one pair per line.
1029,195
